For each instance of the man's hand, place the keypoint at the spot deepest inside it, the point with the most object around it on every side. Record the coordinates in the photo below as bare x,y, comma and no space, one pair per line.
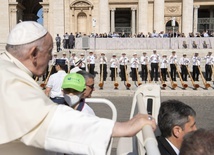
133,126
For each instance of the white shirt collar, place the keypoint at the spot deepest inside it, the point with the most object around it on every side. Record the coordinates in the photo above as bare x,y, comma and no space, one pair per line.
173,146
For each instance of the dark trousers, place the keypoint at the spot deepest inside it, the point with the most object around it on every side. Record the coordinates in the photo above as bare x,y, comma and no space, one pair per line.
195,73
134,74
59,100
66,68
66,43
184,72
144,72
122,72
83,68
71,67
104,71
208,71
163,73
58,46
113,71
173,71
154,71
91,68
53,70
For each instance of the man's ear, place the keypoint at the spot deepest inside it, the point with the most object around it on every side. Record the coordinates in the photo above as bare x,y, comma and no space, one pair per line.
33,55
176,131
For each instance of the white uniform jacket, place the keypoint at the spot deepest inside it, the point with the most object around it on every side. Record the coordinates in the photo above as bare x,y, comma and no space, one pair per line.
163,63
123,60
113,62
144,60
134,62
196,61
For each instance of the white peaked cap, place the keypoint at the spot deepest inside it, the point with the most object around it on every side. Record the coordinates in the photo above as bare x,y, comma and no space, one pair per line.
26,32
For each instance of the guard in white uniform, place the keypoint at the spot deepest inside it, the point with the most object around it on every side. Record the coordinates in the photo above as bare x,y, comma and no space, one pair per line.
124,60
163,66
83,64
172,62
113,66
195,70
184,62
91,62
53,87
66,61
103,66
134,67
154,59
73,59
144,68
53,63
208,66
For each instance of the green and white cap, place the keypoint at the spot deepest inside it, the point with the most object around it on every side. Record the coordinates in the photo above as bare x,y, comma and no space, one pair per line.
74,81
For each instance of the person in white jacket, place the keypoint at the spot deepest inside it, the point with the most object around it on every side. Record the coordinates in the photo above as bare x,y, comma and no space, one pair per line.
163,66
28,116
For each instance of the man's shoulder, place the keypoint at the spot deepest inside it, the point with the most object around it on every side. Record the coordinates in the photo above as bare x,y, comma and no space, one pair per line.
164,147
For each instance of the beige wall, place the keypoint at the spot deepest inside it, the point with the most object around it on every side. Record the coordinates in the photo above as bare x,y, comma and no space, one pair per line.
4,21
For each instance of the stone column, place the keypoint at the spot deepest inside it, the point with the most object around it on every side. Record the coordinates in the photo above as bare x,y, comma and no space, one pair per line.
112,20
90,28
159,15
187,17
72,20
45,17
195,26
13,16
104,16
133,21
45,6
142,16
211,26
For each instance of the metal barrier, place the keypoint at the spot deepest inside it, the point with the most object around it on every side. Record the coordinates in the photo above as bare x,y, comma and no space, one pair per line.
114,113
146,100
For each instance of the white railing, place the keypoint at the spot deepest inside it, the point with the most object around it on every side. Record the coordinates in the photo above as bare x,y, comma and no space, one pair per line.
114,113
143,43
146,100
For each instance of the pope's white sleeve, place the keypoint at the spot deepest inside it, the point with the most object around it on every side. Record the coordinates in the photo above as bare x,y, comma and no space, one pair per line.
71,131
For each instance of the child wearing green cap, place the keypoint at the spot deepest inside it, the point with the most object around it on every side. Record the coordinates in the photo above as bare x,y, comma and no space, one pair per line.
73,87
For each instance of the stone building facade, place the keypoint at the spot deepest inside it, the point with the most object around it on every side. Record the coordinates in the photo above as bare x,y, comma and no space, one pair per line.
104,16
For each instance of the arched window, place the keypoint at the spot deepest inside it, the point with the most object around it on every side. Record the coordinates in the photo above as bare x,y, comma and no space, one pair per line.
40,16
82,23
169,26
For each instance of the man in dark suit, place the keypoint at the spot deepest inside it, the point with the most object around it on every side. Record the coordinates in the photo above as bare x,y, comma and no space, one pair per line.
175,119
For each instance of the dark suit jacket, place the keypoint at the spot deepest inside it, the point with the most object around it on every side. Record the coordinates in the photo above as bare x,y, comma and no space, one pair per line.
164,147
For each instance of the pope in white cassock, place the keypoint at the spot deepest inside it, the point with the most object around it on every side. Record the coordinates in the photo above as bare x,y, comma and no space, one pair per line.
28,116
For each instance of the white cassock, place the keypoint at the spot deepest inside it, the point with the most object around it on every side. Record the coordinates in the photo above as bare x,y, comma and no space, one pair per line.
29,116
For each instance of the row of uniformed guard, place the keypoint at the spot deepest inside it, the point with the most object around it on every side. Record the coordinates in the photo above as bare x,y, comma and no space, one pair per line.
157,63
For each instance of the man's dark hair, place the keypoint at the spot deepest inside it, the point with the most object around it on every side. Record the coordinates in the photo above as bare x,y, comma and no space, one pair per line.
173,113
199,142
86,75
61,66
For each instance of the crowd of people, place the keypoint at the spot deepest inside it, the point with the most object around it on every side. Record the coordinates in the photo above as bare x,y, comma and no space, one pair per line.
67,41
143,68
65,124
